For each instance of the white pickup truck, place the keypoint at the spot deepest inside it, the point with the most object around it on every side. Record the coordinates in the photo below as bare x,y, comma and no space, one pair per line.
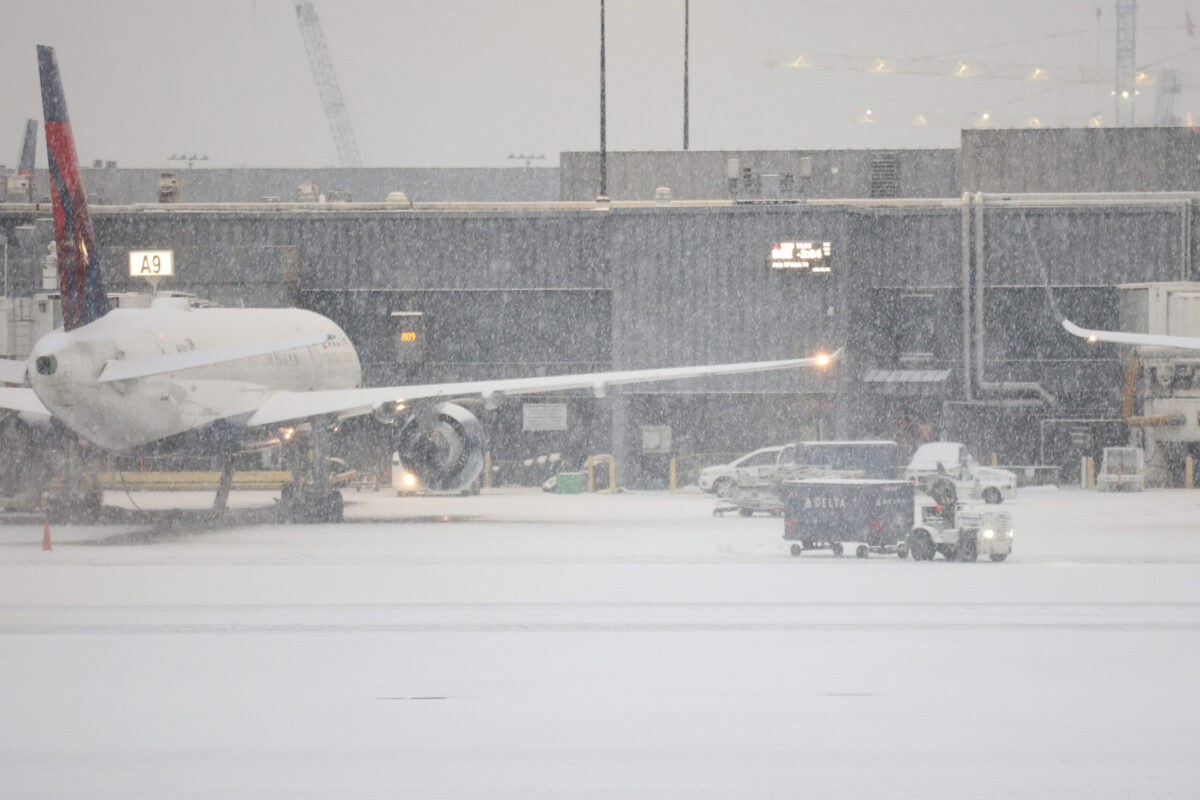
718,478
759,487
951,460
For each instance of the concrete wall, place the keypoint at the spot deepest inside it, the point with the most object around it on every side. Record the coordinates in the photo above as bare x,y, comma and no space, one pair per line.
1081,160
700,174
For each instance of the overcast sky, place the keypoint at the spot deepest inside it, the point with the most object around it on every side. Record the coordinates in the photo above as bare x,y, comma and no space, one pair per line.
469,82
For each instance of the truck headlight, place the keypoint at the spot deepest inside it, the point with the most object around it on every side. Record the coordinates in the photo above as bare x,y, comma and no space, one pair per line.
1010,533
989,533
409,480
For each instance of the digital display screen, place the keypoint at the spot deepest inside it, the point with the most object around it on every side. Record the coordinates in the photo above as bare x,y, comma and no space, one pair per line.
810,257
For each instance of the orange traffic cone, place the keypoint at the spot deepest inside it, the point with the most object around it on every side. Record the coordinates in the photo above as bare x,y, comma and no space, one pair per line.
46,546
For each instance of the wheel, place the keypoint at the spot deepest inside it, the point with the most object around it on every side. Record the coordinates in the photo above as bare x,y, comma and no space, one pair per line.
746,512
797,550
287,503
861,551
721,486
992,495
999,556
298,512
920,545
968,550
836,548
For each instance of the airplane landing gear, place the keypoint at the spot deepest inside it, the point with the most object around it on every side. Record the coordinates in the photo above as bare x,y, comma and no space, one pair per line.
311,502
223,487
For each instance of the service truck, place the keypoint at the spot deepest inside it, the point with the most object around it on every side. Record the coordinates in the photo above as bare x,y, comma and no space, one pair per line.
876,516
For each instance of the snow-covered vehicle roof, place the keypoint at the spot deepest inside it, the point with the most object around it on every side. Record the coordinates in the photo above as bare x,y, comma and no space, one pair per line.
949,454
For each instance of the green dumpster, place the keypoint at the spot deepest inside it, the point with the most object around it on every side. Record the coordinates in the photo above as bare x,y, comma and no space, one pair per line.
570,482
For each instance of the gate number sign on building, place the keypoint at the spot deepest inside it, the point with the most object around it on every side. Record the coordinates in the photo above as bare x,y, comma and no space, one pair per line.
805,257
151,263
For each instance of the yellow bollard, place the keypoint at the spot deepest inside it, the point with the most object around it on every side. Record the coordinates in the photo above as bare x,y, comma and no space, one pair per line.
1090,477
612,476
1189,472
487,469
672,477
993,459
591,471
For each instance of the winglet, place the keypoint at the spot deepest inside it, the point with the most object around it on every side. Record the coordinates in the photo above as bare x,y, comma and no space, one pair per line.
79,279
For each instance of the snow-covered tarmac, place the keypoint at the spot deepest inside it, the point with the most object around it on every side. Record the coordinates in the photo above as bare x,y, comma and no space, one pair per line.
527,645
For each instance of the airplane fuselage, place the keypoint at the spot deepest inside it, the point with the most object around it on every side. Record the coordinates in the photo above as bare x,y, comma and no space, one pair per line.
65,366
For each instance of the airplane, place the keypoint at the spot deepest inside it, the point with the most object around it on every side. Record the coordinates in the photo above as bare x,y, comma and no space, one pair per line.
233,379
1138,339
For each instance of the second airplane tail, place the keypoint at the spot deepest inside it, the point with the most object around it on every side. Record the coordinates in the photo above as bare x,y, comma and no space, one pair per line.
28,148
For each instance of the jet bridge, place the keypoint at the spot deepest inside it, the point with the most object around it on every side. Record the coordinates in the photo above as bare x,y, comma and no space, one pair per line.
1161,393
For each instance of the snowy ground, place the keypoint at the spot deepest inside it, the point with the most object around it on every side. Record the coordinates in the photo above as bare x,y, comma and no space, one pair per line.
527,645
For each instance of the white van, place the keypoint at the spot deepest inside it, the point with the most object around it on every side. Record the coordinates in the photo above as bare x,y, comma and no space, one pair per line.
951,459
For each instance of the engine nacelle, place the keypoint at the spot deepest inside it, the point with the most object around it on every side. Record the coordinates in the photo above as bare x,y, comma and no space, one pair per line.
446,454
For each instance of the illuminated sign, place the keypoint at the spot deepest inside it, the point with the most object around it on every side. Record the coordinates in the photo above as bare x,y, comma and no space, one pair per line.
151,263
806,257
409,330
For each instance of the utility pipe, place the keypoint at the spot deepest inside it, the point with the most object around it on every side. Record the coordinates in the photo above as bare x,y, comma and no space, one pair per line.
968,390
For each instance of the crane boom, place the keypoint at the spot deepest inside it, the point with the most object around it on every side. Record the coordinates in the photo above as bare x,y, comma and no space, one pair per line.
327,84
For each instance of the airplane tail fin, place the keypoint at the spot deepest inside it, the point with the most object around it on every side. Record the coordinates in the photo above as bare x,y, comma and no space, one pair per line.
79,279
28,148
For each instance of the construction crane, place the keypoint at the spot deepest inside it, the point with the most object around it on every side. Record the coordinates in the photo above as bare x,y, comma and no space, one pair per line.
1124,91
978,70
327,84
1168,82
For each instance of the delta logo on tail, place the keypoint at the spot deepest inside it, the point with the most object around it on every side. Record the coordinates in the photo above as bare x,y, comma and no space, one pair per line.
79,280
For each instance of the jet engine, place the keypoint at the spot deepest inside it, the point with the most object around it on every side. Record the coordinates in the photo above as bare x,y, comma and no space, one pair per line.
445,453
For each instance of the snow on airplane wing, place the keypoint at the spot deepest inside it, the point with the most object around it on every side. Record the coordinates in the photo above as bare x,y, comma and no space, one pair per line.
22,400
291,406
1141,339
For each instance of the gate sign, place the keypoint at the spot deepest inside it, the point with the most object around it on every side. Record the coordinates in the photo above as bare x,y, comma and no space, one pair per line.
151,263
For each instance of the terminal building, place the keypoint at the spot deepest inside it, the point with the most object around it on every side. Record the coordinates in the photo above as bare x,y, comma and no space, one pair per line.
928,267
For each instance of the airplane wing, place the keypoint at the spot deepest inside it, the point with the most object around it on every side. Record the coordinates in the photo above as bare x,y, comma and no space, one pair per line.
1141,339
23,400
12,371
290,406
